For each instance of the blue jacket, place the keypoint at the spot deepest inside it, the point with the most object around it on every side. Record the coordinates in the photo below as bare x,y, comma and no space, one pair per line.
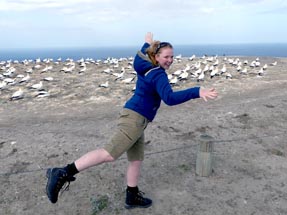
153,86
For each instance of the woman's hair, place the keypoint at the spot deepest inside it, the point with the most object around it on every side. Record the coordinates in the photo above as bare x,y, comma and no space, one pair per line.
155,49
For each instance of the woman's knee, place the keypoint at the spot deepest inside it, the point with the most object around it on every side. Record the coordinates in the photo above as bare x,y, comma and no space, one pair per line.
107,156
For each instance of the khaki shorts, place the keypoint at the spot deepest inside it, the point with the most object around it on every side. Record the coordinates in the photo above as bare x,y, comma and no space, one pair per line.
129,136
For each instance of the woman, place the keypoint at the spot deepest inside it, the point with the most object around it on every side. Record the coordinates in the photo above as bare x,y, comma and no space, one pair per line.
152,86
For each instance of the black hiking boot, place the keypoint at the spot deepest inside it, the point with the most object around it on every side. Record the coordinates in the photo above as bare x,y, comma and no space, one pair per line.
136,200
57,178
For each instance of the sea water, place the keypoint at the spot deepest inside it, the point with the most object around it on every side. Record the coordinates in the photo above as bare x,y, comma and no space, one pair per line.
268,50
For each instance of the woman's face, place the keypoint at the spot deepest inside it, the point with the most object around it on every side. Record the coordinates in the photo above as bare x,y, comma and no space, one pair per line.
165,57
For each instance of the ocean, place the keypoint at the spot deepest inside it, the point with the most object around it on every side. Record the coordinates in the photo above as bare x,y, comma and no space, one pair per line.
257,50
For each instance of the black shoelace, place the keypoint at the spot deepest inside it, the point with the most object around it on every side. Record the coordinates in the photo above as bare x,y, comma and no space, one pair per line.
64,183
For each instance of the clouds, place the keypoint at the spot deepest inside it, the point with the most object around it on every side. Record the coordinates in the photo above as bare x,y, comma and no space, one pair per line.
109,21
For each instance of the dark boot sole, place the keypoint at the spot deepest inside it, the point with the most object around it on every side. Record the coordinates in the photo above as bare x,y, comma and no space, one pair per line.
137,206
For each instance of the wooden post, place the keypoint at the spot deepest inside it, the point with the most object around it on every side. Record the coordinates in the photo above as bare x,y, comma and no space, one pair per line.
204,159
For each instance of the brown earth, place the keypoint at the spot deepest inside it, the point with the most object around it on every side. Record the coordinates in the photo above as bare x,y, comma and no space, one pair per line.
247,121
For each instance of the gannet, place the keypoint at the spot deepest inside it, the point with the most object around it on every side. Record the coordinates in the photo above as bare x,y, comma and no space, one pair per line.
216,63
42,94
19,94
228,76
48,79
118,75
201,77
9,81
178,57
25,79
38,86
173,80
177,72
3,84
38,66
10,72
128,80
260,72
104,85
244,71
238,68
191,58
108,70
213,72
223,70
47,68
30,70
206,68
83,69
183,76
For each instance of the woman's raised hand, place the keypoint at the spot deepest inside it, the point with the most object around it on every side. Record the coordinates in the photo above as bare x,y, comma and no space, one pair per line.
149,37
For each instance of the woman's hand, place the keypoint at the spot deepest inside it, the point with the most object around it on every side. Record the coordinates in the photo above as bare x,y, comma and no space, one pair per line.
149,37
207,94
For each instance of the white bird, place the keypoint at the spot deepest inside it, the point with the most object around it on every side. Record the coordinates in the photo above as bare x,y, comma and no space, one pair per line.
197,65
108,70
3,84
253,64
211,68
10,72
191,58
264,67
244,71
206,68
260,72
187,68
238,68
177,72
201,77
223,70
83,69
25,79
20,76
216,62
9,81
48,78
128,80
197,72
228,76
47,68
38,86
214,72
38,66
183,76
178,57
104,85
42,94
173,80
274,63
119,75
19,94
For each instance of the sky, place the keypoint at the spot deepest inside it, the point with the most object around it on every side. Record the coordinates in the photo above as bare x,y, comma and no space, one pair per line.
102,23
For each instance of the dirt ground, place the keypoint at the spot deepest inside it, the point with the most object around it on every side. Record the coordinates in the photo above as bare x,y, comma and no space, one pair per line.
247,122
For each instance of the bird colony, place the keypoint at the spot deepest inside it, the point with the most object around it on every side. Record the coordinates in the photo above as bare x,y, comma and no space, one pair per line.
88,78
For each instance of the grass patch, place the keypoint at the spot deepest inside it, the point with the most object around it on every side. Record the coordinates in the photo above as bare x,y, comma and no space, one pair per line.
99,204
